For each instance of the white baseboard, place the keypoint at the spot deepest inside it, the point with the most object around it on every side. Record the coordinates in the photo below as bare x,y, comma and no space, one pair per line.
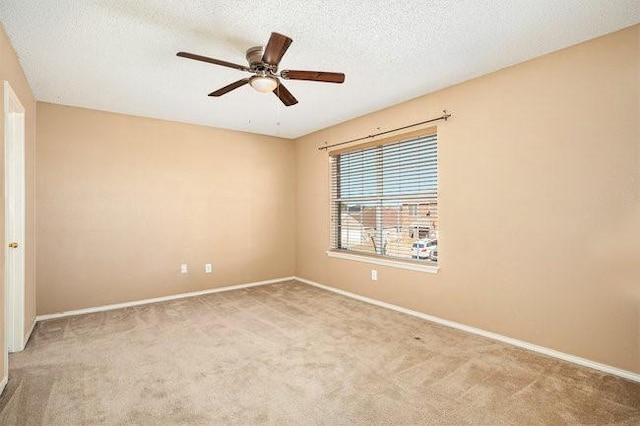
515,342
28,336
157,299
3,383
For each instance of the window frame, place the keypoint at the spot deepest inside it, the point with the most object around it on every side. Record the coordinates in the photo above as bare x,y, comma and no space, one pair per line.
378,259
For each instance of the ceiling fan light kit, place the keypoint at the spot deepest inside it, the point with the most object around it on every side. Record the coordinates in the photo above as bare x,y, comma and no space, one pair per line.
263,83
263,63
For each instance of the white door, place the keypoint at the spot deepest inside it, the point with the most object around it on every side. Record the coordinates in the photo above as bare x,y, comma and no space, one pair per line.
14,220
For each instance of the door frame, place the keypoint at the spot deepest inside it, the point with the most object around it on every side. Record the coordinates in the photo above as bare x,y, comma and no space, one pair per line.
14,279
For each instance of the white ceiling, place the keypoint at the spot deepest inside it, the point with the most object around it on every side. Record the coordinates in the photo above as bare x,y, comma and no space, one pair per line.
119,55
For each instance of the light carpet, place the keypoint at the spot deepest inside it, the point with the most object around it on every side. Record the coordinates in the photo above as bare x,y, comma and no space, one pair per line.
292,354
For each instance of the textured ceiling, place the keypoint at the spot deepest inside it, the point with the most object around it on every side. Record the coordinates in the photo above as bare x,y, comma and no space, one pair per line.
119,55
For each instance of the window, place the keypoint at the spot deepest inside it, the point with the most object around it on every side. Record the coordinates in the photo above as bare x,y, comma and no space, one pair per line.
384,200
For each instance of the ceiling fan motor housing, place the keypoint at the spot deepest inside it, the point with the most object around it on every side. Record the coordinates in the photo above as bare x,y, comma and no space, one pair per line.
254,57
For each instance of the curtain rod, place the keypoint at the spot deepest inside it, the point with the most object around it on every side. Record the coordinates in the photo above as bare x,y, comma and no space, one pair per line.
445,116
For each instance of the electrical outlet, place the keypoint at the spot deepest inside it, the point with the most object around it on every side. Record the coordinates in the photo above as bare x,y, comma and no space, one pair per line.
208,268
374,275
184,269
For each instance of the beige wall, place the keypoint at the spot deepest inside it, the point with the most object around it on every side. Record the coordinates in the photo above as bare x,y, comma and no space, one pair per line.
123,201
11,71
539,203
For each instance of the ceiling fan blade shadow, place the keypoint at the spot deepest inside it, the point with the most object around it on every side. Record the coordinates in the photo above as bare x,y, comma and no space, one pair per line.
230,87
275,49
325,77
285,95
212,61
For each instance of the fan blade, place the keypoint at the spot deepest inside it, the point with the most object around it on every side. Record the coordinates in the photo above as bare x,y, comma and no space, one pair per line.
277,45
327,77
230,87
212,61
285,96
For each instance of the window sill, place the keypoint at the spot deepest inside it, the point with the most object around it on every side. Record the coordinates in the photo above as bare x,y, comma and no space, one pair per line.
385,262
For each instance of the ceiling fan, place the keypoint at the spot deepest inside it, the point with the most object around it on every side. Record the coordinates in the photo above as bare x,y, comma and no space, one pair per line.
263,64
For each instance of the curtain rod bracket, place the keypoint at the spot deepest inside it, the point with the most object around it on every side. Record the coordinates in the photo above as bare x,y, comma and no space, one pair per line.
445,116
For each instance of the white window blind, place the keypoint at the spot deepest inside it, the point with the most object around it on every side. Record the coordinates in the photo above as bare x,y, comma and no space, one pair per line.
385,200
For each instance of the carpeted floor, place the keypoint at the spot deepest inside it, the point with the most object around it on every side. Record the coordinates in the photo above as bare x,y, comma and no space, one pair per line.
293,354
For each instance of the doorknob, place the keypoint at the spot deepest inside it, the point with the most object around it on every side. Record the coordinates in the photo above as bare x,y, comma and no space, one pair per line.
13,245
